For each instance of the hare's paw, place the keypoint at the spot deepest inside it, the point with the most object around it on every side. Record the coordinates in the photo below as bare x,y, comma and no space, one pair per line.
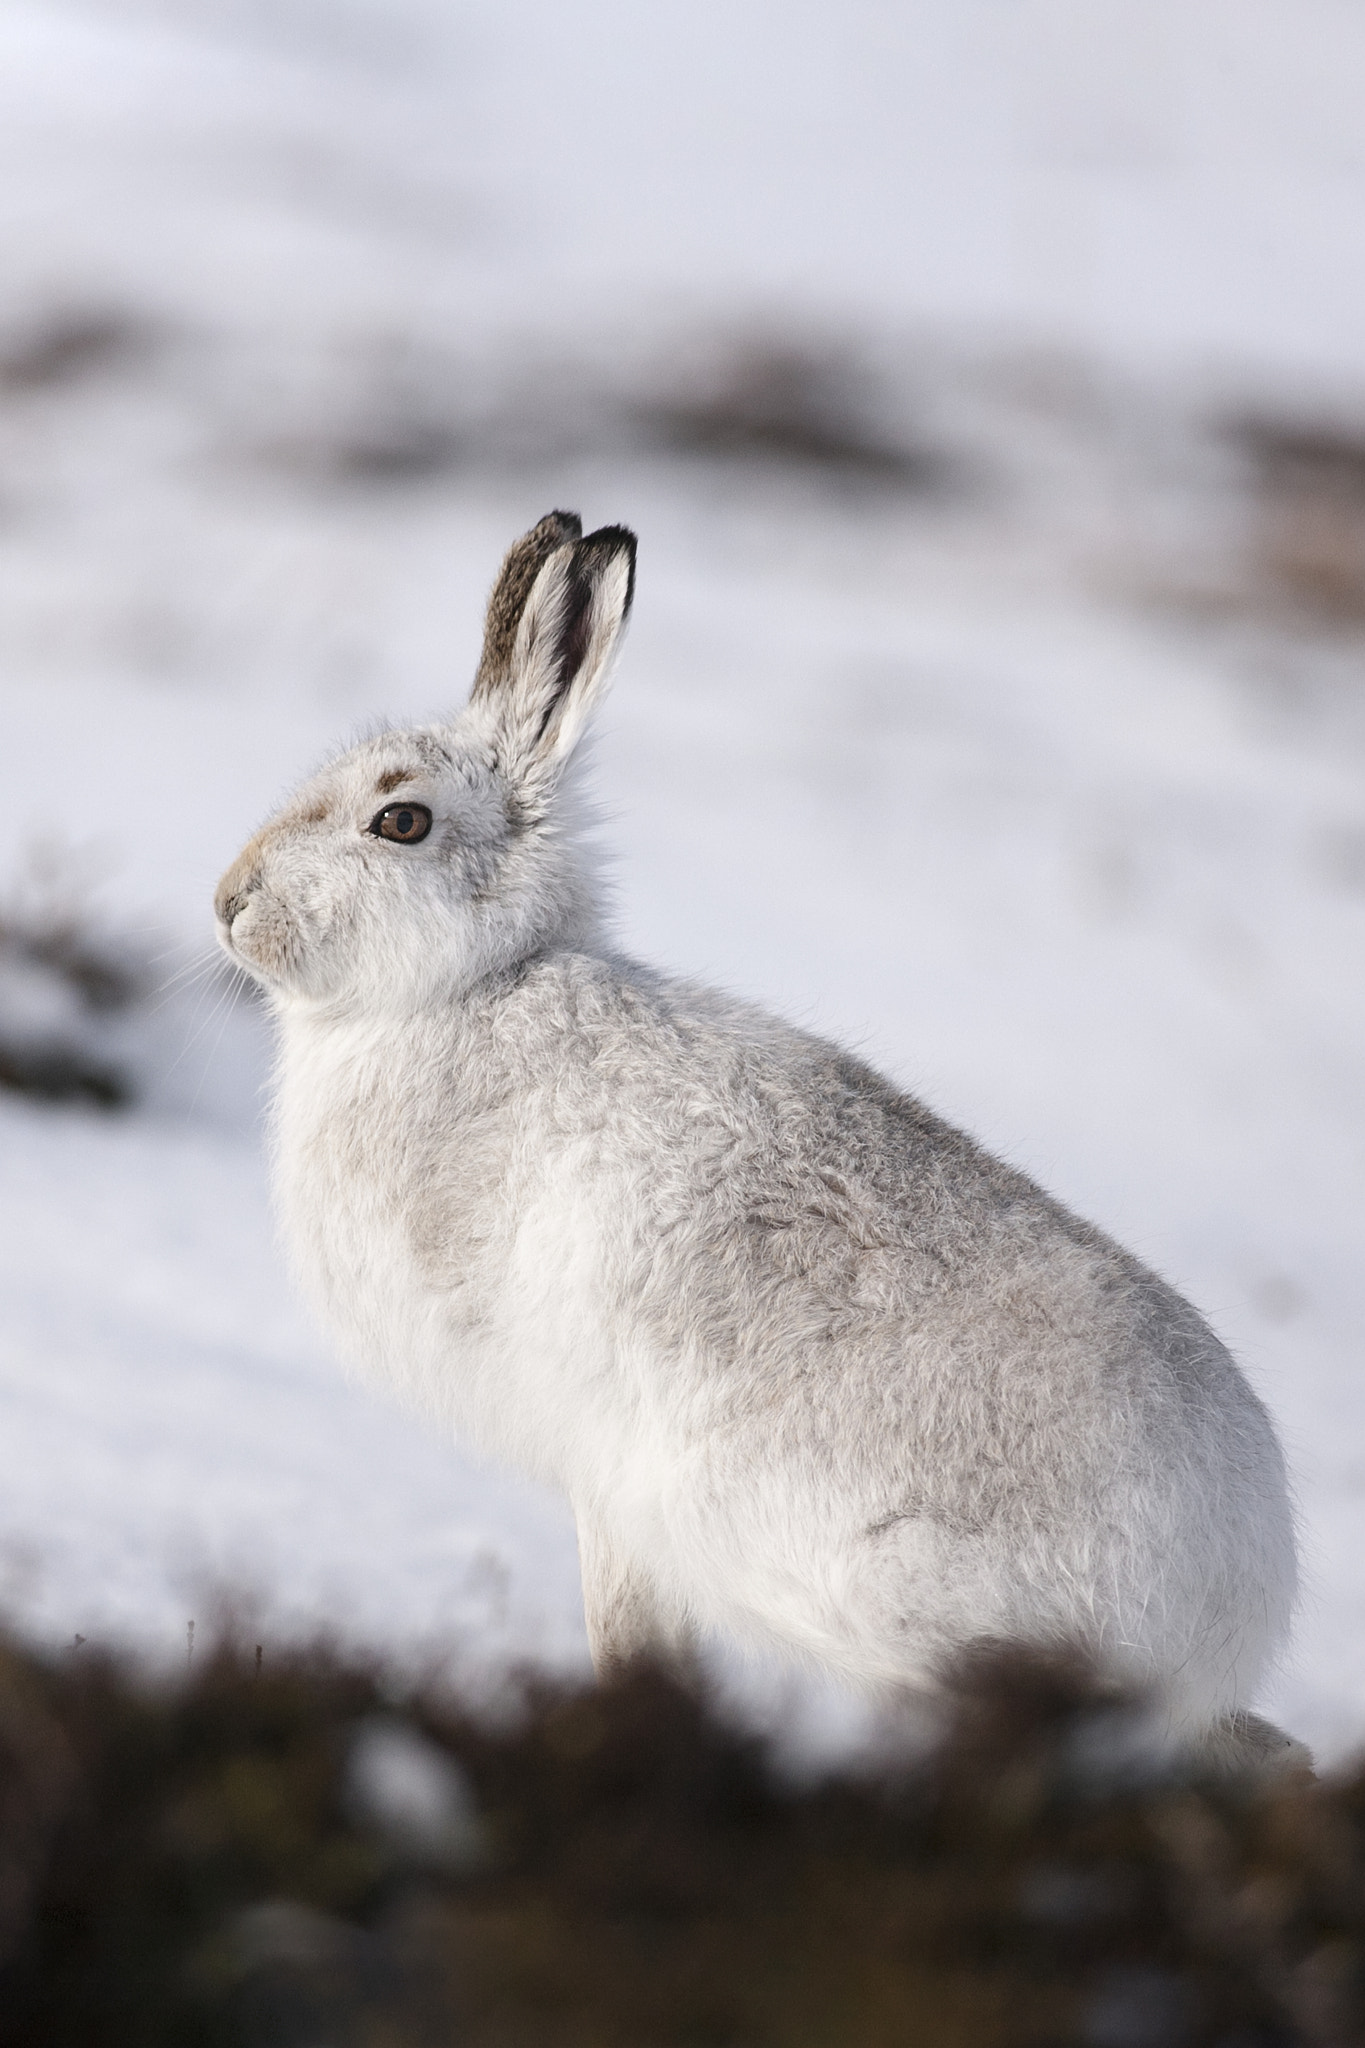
629,1621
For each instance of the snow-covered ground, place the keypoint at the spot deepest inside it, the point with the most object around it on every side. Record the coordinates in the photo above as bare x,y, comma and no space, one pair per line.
1010,752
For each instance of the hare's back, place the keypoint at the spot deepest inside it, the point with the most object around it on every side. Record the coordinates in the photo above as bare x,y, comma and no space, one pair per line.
824,1242
1010,1414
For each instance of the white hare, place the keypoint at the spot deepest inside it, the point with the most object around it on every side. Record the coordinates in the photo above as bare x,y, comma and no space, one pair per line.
812,1368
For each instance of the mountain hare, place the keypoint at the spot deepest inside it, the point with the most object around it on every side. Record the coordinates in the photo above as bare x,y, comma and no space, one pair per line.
812,1368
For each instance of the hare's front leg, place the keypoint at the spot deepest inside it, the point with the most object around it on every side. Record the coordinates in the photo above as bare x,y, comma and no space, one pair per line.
625,1614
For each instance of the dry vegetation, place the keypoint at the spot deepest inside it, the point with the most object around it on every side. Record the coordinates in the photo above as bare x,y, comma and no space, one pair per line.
294,1854
65,988
1307,529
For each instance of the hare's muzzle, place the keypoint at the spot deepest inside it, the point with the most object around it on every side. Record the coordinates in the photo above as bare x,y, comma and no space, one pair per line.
235,890
254,927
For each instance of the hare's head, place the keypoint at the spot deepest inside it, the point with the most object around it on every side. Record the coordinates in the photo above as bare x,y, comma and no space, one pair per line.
421,861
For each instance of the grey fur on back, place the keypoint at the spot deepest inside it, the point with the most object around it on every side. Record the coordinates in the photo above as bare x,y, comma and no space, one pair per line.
813,1368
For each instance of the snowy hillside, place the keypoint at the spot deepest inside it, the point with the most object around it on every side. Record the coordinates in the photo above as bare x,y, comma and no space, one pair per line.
981,389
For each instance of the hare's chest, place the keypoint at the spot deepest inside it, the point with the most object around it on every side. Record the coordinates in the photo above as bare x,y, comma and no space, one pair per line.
388,1219
467,1251
352,1249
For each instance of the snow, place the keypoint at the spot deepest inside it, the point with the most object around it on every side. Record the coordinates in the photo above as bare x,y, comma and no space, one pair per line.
966,778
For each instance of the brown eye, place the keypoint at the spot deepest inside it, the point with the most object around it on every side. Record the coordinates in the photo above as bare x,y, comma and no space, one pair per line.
406,823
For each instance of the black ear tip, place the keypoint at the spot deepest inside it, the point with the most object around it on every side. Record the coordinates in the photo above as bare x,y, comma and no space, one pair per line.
559,527
602,546
612,540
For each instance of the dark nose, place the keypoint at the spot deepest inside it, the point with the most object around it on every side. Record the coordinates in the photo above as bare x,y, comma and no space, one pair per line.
239,883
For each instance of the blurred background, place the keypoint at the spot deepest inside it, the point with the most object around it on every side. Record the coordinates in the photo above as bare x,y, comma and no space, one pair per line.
986,381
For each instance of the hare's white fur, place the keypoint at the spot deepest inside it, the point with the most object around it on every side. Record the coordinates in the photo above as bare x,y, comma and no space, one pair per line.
812,1368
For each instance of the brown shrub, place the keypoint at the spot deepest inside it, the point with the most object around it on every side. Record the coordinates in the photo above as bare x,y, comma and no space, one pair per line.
201,1864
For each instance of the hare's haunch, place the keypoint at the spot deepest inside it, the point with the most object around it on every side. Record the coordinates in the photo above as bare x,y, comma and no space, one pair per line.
812,1368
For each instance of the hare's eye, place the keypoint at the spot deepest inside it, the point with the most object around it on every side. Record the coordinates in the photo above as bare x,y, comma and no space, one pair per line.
405,822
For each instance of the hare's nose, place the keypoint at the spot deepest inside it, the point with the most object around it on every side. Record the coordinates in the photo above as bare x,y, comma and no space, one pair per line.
232,893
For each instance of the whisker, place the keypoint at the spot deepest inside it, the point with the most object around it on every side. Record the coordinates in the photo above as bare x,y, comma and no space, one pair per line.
228,992
185,977
209,981
208,1060
172,950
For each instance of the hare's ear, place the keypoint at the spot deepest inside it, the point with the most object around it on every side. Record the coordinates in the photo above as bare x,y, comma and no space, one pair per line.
543,688
507,601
